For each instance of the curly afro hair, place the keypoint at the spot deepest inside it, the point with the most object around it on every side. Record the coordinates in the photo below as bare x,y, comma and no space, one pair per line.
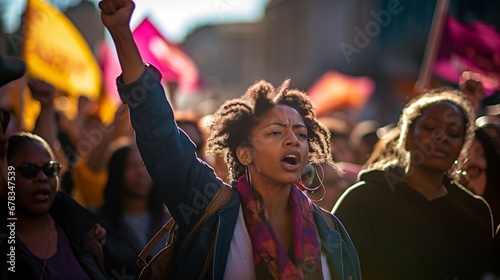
234,120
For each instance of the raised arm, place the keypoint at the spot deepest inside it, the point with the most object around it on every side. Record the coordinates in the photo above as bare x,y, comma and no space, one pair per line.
116,16
120,127
46,123
186,183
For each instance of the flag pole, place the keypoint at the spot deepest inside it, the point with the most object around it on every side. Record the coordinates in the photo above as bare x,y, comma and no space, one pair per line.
432,46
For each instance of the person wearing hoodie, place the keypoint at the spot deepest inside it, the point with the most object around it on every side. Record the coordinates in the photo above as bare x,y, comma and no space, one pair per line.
407,216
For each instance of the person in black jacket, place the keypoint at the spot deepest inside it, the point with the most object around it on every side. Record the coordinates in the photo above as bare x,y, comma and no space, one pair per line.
408,217
49,235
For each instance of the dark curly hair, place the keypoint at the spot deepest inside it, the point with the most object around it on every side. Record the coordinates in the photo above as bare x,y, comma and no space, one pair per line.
234,120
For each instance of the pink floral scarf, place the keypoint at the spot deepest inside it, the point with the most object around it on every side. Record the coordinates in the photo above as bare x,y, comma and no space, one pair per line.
270,258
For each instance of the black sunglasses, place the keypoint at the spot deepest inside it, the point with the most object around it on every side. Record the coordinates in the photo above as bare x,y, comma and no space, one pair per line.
29,170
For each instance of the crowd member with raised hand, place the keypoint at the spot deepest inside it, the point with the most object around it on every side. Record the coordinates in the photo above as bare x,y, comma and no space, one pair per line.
80,137
46,123
470,83
90,173
269,229
55,238
408,217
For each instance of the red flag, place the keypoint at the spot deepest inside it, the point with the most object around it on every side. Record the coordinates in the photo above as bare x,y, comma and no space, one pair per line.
174,64
110,66
334,90
469,47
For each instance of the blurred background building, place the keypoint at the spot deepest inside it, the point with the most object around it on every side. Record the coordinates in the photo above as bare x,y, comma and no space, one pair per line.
382,39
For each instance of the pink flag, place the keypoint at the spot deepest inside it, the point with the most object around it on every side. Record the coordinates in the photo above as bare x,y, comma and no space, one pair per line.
174,64
473,47
110,70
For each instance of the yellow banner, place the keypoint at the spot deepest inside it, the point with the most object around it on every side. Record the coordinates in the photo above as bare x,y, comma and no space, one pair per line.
56,52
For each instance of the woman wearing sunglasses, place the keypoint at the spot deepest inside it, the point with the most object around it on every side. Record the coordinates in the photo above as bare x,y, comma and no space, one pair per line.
480,173
54,236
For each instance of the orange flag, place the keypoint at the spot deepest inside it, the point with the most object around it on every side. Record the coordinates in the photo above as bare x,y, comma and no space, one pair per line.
335,90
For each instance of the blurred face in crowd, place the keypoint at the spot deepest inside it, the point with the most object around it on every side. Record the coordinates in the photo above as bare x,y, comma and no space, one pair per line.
341,151
436,137
475,168
493,131
136,178
35,187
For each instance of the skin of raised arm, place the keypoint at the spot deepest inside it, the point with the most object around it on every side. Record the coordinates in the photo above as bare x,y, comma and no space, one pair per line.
46,123
120,127
115,15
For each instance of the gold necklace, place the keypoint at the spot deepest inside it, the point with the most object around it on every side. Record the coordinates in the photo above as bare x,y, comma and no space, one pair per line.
48,247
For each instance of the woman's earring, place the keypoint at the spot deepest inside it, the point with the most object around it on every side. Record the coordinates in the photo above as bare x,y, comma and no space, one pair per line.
321,184
313,189
249,177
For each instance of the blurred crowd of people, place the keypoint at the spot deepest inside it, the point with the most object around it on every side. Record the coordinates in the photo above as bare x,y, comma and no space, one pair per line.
106,197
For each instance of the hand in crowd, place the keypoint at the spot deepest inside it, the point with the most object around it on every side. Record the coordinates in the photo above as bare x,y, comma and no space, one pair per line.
116,14
42,91
470,83
100,233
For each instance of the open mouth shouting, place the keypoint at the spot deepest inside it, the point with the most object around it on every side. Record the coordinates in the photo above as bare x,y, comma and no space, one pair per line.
291,161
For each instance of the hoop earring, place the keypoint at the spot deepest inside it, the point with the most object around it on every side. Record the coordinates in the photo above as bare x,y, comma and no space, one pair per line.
321,185
320,180
249,177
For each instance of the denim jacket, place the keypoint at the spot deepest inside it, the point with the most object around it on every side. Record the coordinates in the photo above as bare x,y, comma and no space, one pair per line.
187,185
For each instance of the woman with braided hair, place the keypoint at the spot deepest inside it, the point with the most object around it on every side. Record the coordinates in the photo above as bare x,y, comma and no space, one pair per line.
268,229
